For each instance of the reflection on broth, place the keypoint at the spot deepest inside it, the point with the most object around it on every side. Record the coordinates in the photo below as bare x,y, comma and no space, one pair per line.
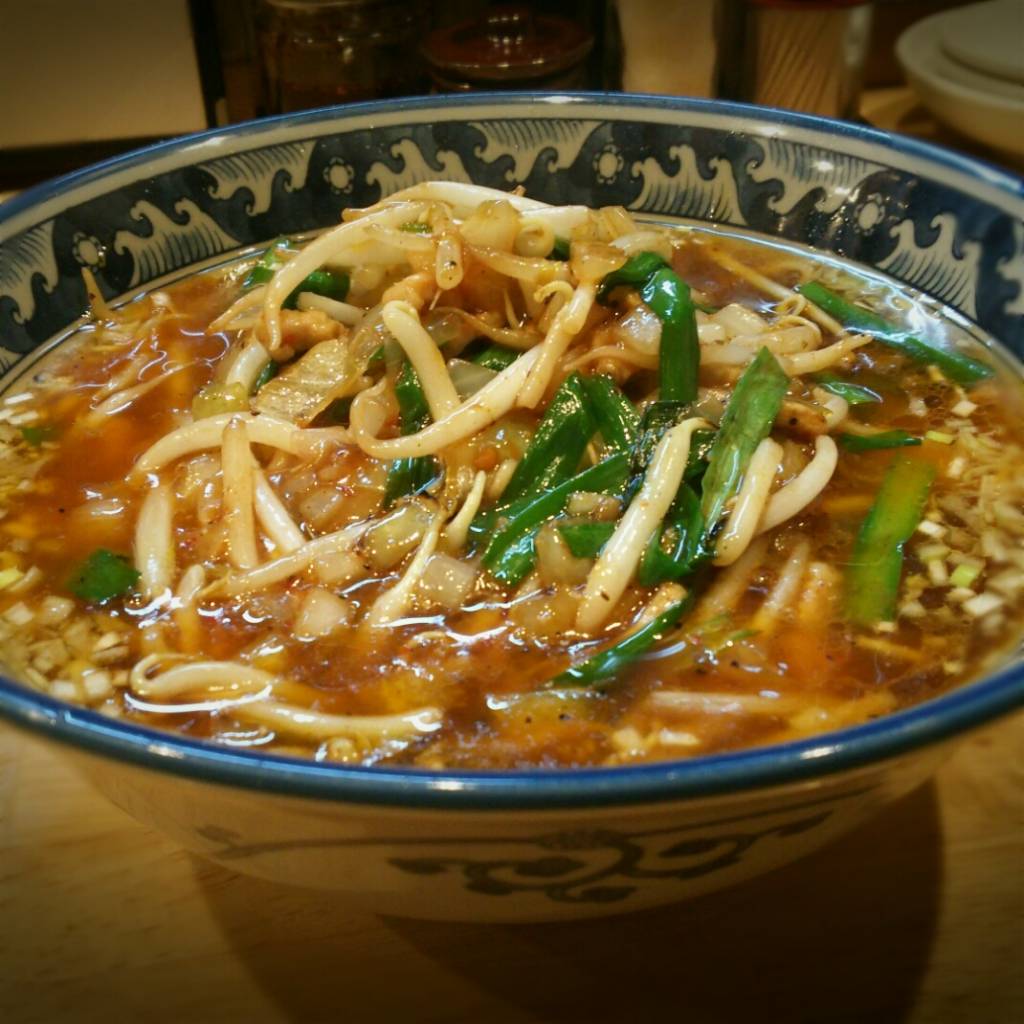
470,481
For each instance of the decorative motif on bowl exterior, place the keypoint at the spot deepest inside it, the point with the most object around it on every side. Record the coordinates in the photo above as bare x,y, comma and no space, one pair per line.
964,253
582,865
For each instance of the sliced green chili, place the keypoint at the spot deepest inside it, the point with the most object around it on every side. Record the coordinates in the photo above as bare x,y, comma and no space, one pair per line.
612,660
668,297
495,357
955,365
333,284
855,394
416,227
748,418
413,411
873,575
510,554
675,549
410,475
616,417
878,442
269,372
560,250
555,450
267,264
632,274
585,540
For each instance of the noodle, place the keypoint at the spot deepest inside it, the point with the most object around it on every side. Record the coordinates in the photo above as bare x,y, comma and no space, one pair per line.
750,503
186,612
207,433
211,676
822,358
404,323
236,465
288,565
613,569
778,291
392,603
457,529
154,542
343,312
567,324
121,400
322,248
489,404
247,365
313,725
273,516
785,591
795,496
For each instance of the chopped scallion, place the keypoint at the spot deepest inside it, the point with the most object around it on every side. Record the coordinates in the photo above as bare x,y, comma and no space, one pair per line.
612,660
954,364
877,442
855,394
585,540
876,566
748,418
102,576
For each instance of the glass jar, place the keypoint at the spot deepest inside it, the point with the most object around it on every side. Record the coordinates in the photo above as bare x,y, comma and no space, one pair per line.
509,47
316,53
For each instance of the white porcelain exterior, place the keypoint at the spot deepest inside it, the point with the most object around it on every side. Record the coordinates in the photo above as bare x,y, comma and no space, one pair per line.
517,845
983,107
509,865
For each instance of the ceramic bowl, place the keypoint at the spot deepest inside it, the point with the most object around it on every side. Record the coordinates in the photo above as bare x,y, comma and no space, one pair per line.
516,845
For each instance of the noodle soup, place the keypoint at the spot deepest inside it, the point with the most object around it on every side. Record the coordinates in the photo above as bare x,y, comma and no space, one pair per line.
471,481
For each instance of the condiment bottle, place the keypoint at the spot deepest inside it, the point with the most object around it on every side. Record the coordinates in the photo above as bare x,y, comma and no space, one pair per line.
316,53
509,47
804,55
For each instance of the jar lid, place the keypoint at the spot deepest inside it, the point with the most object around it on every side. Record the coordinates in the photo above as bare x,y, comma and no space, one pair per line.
508,42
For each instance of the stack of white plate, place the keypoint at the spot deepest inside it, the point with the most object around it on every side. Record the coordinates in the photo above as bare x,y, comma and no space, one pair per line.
967,66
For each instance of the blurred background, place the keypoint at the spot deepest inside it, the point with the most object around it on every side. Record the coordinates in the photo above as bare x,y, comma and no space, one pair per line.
81,81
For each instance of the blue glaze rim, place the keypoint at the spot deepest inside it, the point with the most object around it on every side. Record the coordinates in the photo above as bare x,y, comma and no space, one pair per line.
972,166
886,738
757,768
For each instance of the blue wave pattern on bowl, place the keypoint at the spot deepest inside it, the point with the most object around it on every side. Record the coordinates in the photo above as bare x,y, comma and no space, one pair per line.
963,250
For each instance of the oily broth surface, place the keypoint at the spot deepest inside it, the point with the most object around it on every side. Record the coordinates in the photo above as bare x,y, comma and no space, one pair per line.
483,665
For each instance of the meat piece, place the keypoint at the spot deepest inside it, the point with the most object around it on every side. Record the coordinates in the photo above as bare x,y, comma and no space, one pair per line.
301,329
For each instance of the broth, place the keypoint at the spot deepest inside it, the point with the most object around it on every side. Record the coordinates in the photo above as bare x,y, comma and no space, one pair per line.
357,656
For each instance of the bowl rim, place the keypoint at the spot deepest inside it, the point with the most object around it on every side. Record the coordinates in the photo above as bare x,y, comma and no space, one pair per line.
883,739
1002,179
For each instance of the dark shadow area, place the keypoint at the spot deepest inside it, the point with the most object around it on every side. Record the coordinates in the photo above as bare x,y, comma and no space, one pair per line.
840,937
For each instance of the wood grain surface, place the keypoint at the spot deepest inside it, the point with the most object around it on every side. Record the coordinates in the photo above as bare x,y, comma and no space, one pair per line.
918,917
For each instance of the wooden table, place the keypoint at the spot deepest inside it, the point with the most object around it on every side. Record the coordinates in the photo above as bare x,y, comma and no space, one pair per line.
917,918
